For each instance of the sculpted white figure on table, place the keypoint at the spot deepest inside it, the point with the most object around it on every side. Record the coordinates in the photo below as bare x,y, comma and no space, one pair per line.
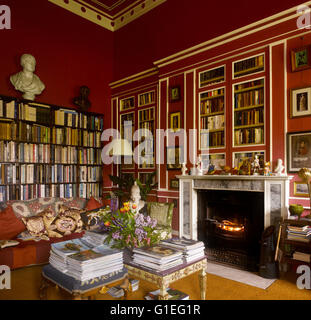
136,198
26,81
184,169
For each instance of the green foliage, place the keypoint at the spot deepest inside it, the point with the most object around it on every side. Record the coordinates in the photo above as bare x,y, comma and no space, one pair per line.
125,184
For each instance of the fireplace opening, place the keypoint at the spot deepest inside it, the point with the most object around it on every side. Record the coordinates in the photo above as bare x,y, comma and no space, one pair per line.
231,224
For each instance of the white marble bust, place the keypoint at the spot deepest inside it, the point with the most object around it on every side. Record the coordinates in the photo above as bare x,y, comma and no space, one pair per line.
279,168
136,204
26,81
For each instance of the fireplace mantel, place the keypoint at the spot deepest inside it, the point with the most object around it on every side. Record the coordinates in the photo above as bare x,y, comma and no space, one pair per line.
275,189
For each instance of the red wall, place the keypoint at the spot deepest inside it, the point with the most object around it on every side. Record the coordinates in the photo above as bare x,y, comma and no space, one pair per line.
180,24
70,52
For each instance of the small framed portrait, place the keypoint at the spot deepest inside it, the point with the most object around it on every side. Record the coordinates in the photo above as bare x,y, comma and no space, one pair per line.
301,58
298,151
174,184
174,93
175,121
301,189
300,102
174,158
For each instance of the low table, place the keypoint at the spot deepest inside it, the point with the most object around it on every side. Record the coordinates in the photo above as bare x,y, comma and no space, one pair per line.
165,278
79,289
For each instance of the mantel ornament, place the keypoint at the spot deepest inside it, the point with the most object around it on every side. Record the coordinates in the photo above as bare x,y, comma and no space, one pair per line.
26,81
279,168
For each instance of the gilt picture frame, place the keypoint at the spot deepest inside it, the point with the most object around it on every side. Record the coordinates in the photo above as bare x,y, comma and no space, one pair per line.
301,58
300,102
174,93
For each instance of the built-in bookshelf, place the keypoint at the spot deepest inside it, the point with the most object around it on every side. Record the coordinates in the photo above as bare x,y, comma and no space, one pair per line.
147,133
212,119
212,76
127,103
141,117
249,112
48,151
146,98
248,66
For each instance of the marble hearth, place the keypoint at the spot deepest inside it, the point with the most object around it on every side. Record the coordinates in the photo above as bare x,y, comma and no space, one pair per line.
274,188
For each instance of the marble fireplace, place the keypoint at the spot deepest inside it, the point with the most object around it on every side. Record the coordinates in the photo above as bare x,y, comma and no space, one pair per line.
229,213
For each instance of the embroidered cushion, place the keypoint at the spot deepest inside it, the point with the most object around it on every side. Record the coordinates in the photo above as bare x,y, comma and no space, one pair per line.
92,220
159,211
35,225
67,222
93,204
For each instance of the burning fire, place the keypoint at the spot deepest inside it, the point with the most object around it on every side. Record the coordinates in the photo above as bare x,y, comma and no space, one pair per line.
230,226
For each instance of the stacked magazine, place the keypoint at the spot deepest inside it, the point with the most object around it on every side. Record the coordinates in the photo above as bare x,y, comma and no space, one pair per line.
157,257
173,294
299,233
192,250
97,238
82,261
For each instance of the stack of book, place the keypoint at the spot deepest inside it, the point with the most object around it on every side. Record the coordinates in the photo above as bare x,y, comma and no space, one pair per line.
118,292
76,258
302,256
157,258
299,233
173,294
192,250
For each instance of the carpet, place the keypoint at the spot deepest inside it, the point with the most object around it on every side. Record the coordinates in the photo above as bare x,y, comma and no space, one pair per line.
242,276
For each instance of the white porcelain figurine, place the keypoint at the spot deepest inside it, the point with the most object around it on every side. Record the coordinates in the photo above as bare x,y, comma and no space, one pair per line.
184,169
26,81
199,166
279,168
136,204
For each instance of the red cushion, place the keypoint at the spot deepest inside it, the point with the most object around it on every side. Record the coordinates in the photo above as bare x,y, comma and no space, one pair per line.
93,204
10,225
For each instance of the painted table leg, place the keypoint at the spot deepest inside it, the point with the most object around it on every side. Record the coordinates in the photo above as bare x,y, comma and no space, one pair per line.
202,280
43,288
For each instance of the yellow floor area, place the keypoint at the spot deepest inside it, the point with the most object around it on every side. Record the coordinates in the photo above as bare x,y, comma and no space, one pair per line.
25,284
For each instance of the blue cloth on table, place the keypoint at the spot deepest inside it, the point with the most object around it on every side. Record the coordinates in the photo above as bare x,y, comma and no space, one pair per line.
71,284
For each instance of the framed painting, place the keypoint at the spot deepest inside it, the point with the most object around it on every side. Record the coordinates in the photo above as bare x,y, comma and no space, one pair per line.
298,151
174,93
300,102
174,184
301,189
301,58
174,158
175,121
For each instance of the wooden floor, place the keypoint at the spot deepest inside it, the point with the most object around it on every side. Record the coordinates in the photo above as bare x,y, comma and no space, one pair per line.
25,284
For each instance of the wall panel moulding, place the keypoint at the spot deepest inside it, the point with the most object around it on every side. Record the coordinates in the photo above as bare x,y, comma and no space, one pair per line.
111,15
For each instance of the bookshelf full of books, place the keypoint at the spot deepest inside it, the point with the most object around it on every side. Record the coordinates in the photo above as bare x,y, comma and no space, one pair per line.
249,112
147,133
212,119
248,66
139,119
212,76
48,151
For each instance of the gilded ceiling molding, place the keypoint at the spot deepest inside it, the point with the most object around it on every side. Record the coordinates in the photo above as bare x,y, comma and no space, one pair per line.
105,20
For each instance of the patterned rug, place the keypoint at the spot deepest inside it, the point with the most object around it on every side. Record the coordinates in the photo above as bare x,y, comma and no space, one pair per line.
242,276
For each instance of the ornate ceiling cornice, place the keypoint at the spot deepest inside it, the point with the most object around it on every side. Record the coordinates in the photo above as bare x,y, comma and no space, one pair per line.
93,10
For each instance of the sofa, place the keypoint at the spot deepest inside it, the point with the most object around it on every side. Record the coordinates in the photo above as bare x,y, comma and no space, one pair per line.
36,224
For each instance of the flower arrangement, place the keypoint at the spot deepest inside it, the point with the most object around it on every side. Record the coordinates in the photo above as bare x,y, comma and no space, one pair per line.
126,228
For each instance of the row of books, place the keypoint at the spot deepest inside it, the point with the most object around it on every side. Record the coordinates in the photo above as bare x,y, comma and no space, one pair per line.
89,155
146,115
299,233
144,126
91,122
249,64
213,122
90,174
249,98
33,133
63,173
31,191
8,130
127,103
212,139
67,136
8,109
210,106
211,76
249,136
83,261
146,98
254,116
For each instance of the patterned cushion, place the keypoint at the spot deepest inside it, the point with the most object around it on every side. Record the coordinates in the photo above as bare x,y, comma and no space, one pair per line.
92,220
68,221
35,225
159,212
